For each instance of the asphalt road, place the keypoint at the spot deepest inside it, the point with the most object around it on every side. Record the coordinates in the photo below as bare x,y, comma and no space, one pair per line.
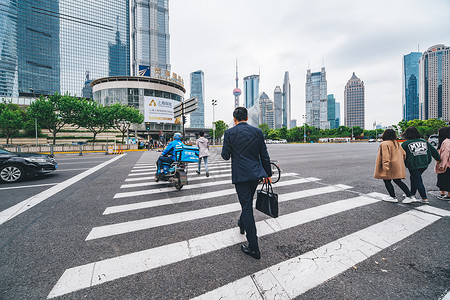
109,236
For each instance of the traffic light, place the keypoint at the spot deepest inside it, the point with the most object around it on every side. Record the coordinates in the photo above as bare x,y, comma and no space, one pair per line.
147,125
184,119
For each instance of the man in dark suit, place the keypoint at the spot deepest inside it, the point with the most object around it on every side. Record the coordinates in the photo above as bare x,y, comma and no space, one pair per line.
250,162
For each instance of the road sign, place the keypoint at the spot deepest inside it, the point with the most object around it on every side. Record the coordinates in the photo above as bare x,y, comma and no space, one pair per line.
190,105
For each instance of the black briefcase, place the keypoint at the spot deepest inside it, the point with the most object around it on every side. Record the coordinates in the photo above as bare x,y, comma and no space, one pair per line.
267,201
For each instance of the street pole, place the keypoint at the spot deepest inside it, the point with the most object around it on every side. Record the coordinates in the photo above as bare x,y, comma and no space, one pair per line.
214,103
35,127
304,129
182,118
352,134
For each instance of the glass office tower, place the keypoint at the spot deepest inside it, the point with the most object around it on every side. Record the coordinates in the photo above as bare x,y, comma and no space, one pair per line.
331,111
251,90
48,46
38,42
8,48
150,36
278,107
316,99
197,118
286,101
411,86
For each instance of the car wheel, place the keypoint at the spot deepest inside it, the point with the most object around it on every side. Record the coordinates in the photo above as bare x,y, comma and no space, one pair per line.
11,173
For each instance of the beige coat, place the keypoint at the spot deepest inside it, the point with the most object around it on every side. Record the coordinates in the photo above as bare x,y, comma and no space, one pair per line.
390,161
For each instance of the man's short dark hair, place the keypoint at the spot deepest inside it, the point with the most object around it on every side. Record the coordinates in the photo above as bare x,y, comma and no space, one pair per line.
240,113
411,133
201,133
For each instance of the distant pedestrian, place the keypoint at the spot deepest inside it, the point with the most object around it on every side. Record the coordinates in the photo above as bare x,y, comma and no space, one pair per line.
250,162
418,157
203,145
443,167
390,165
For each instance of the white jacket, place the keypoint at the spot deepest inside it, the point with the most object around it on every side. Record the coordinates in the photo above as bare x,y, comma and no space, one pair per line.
203,145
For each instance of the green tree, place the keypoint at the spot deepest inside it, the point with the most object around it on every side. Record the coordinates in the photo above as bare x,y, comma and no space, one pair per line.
94,117
265,129
123,116
283,133
273,134
54,111
221,126
10,123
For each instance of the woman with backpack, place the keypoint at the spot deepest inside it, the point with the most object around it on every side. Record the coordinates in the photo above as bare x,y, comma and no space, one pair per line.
419,155
390,166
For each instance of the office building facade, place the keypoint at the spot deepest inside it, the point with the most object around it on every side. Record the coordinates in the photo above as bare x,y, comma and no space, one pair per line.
434,83
251,90
286,101
316,99
331,111
150,37
354,95
337,106
197,118
410,86
278,107
266,109
50,45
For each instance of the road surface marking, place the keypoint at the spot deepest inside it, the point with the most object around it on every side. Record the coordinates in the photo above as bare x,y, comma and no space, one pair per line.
212,177
23,206
85,276
153,170
27,186
293,277
131,226
191,197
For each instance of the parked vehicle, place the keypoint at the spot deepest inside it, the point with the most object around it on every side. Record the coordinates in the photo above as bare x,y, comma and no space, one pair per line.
16,166
433,140
372,141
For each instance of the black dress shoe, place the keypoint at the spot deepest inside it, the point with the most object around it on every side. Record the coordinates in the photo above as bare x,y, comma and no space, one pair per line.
254,254
241,228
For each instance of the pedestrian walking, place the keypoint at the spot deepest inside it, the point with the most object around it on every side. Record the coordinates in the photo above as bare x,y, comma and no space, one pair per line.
443,167
390,165
250,162
419,155
203,146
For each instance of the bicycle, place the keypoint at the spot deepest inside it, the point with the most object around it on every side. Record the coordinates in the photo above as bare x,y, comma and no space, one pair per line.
276,171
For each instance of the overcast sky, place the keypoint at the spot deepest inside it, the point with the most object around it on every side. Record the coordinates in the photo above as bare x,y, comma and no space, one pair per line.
271,37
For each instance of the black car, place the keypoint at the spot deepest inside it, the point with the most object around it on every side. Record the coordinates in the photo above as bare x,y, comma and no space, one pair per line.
16,166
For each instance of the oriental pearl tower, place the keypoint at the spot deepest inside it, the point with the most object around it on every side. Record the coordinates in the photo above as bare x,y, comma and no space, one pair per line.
237,90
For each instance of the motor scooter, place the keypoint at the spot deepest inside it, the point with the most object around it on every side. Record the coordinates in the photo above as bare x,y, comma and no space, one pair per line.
176,172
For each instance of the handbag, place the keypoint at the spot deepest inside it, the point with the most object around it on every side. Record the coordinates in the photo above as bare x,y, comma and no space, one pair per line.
267,200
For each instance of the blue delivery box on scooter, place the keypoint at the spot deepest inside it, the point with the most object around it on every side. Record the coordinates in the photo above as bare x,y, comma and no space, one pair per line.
188,154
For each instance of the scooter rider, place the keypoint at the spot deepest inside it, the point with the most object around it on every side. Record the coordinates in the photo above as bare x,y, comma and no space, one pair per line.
168,153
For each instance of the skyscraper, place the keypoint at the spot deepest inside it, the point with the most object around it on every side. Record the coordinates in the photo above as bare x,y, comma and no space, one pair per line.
47,46
237,90
266,115
434,78
410,83
331,111
278,107
198,90
316,99
286,101
354,102
337,114
251,90
150,36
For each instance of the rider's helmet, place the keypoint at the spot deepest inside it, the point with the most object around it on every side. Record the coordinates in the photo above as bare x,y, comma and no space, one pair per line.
177,136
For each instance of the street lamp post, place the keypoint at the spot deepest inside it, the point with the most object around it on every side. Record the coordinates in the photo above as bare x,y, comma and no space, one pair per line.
214,103
304,128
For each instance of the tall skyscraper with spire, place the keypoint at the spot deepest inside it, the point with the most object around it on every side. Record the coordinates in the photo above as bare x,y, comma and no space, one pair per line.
237,90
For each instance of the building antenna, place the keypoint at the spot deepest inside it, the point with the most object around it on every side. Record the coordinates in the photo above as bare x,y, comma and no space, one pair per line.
323,63
308,64
418,48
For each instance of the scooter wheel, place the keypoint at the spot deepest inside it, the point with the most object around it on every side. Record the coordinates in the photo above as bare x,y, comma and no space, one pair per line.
156,178
177,183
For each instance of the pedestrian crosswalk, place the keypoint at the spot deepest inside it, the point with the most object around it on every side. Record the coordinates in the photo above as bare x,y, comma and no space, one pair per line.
284,280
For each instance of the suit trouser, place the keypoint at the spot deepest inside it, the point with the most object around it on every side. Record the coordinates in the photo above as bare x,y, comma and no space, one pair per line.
246,191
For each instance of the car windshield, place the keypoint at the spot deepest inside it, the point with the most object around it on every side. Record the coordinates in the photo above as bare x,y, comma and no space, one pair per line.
2,151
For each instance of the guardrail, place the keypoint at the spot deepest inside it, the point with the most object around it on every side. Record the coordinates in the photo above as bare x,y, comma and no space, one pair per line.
67,148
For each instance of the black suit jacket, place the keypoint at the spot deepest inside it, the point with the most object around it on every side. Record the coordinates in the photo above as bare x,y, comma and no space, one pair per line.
245,145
